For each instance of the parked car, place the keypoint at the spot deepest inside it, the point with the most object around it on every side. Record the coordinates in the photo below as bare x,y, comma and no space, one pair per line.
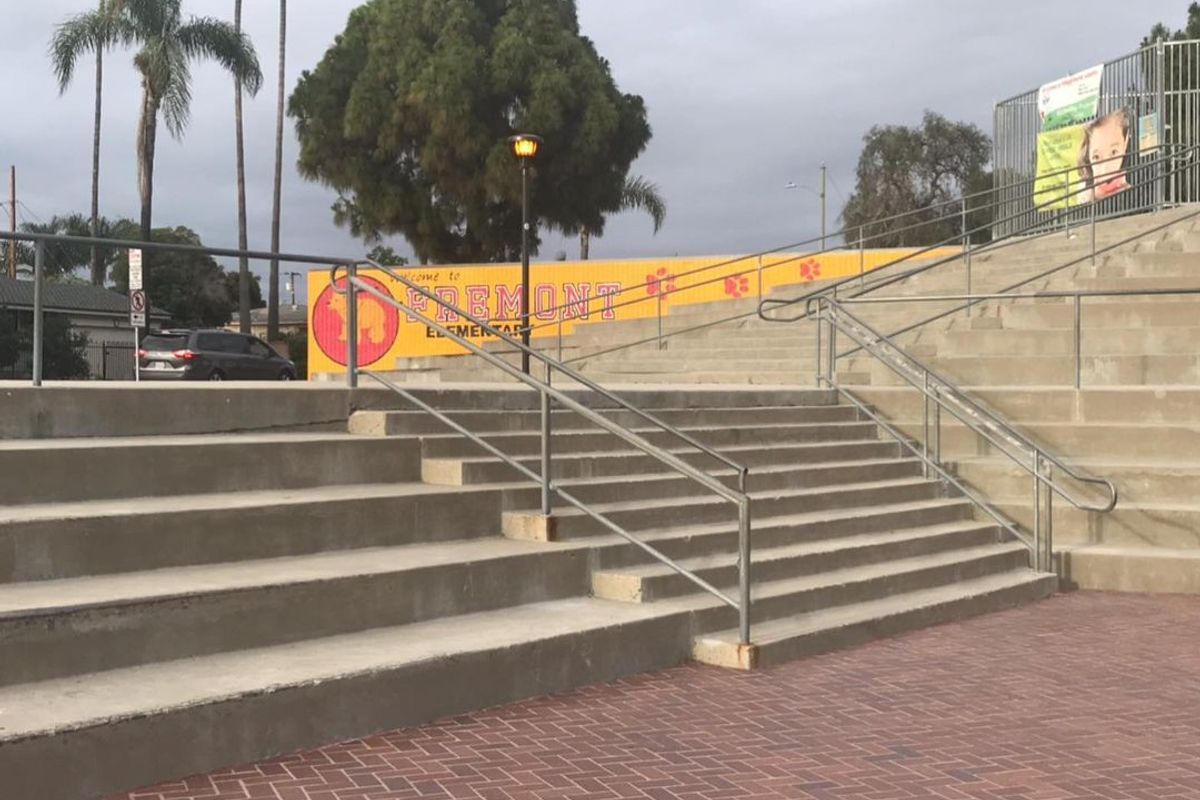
182,355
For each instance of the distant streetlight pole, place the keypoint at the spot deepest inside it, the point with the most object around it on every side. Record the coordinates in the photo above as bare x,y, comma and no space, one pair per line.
291,285
525,147
821,194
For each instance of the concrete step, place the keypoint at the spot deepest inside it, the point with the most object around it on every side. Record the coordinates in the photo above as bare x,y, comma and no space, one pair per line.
486,469
66,470
91,735
1125,404
398,423
1118,314
1137,482
711,377
812,633
110,408
1046,370
653,581
102,537
1056,341
674,365
570,523
81,625
1150,442
567,442
692,540
1152,525
653,487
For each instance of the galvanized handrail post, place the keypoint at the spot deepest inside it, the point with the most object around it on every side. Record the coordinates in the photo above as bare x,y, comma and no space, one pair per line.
744,571
351,325
862,259
1048,537
1161,107
547,433
760,279
821,321
831,347
660,329
937,426
1093,210
1037,510
925,423
1078,329
39,317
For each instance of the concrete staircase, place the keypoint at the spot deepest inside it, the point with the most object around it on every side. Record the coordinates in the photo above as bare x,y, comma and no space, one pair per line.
174,600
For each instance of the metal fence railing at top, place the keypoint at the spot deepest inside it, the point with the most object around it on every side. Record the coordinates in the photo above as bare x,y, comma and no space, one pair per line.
1160,82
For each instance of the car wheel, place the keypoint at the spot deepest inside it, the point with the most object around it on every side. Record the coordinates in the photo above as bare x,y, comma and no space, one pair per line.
287,375
216,375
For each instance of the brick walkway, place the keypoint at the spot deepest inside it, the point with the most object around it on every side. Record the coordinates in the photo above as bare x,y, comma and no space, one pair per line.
1081,696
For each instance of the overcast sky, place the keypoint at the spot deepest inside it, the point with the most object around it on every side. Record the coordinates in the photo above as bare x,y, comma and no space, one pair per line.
743,98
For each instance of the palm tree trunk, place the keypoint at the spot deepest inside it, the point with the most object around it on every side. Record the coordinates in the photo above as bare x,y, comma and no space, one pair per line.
147,132
585,242
273,297
97,265
243,262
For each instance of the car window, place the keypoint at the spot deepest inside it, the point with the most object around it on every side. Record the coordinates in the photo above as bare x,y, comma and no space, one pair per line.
210,342
260,349
164,343
232,343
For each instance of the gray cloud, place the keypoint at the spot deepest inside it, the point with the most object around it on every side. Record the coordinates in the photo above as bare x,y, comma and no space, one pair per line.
743,97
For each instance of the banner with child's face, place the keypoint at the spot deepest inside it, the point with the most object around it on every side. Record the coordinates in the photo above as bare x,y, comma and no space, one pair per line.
1081,157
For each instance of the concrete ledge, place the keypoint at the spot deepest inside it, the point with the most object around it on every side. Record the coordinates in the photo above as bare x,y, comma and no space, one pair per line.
1131,569
529,526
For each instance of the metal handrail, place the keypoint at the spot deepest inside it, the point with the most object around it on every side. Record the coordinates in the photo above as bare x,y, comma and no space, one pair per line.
1015,236
548,393
1006,292
1036,229
1076,296
572,374
972,413
978,409
961,199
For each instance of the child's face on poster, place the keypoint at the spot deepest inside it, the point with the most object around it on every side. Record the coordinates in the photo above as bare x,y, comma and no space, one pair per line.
1106,153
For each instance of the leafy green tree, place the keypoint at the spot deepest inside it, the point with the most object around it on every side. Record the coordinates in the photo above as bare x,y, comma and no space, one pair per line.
168,44
382,254
638,194
903,169
62,349
254,292
192,287
63,260
96,33
1191,30
408,114
297,344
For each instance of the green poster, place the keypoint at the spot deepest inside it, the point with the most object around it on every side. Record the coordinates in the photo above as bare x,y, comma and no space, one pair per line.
1057,169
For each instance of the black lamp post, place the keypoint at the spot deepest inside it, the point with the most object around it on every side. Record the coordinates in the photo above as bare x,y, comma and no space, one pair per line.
525,147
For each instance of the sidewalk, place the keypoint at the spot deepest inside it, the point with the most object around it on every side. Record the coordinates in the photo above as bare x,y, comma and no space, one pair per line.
1080,696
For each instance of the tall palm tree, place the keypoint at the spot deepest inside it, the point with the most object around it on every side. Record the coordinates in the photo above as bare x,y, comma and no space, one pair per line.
80,34
243,240
168,44
273,287
638,193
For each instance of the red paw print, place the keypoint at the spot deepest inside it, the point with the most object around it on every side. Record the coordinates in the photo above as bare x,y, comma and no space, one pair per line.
737,285
660,283
810,270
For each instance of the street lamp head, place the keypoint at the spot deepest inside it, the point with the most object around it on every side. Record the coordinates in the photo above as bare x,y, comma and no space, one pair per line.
525,146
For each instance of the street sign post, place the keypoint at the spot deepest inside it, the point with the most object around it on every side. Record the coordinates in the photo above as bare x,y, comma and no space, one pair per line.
137,306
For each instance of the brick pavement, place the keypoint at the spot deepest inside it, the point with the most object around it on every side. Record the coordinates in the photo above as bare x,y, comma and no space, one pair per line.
1080,696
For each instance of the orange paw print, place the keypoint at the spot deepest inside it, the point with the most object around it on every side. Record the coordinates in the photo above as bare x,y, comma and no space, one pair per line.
737,285
810,270
660,283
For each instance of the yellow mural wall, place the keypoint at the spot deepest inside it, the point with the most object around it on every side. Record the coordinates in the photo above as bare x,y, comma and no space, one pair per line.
563,294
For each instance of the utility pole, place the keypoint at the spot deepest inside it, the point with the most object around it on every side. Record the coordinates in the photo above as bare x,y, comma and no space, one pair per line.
12,211
291,285
822,205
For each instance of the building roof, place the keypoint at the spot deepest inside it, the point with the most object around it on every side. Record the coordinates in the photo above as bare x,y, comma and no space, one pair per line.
71,297
288,315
